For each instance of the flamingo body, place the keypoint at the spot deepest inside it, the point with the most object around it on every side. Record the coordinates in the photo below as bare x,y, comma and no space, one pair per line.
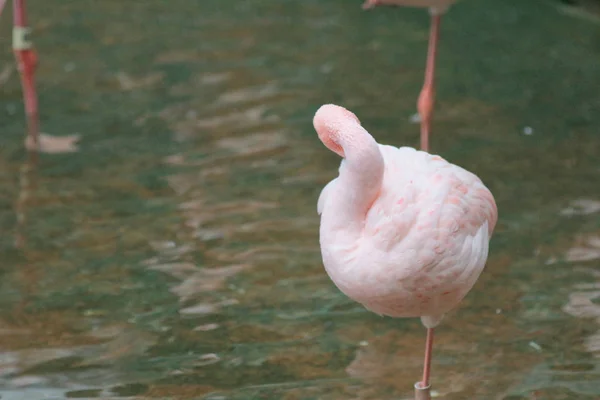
403,232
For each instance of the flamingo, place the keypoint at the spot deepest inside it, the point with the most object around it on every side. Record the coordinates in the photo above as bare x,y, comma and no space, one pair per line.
427,97
403,232
26,58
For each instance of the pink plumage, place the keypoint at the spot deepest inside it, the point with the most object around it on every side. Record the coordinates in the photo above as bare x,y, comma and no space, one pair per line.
403,232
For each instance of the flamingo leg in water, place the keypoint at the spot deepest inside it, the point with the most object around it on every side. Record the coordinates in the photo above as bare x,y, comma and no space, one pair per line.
427,363
427,97
422,388
26,62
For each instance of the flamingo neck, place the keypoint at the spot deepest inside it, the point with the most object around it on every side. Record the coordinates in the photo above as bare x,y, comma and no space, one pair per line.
359,182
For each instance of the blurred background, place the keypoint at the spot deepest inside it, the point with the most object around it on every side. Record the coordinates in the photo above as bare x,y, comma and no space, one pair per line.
165,244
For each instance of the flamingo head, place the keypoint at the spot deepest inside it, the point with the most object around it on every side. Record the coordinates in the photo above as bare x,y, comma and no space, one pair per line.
334,125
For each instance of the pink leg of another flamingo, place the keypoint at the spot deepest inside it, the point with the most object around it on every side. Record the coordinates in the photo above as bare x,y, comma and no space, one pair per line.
26,62
427,97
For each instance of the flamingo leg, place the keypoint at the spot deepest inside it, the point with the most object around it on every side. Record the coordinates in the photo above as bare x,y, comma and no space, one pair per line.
2,4
427,363
422,388
427,97
26,62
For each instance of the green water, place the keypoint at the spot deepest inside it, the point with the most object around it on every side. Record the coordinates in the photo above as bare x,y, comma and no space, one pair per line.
175,255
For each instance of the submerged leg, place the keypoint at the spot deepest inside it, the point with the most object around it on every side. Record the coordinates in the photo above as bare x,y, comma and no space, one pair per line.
427,97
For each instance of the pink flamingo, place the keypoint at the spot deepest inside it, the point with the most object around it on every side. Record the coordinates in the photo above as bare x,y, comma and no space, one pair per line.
26,63
427,97
403,232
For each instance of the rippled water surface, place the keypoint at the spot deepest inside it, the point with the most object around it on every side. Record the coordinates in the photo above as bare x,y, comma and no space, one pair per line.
172,253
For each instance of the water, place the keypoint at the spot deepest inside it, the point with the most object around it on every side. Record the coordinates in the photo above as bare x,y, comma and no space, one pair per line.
175,254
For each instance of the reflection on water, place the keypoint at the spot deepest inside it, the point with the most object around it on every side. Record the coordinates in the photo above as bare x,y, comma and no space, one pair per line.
174,252
27,179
